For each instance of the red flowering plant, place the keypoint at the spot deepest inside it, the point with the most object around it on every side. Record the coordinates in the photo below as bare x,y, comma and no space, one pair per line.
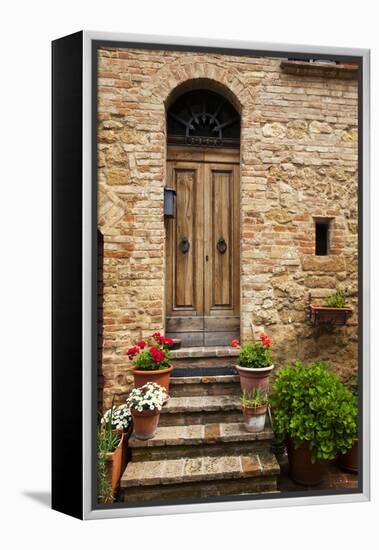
150,354
254,355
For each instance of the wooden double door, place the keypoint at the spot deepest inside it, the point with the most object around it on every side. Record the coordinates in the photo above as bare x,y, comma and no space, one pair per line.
202,247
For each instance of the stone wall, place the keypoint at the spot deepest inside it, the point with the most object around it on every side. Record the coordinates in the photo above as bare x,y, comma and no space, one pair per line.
298,163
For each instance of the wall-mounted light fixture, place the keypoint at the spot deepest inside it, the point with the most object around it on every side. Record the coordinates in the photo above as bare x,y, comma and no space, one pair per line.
169,202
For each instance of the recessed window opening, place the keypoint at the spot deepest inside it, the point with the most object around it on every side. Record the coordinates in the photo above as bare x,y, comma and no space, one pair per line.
322,237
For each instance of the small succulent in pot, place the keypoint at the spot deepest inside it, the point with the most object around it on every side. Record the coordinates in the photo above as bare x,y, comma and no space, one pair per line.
254,408
145,404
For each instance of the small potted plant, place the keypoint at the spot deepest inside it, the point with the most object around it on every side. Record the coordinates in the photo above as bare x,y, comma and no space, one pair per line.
120,419
145,405
334,312
317,416
107,444
349,460
254,408
254,363
151,361
112,435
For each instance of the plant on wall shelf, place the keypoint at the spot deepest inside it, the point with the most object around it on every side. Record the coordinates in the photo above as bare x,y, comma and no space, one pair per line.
336,300
334,312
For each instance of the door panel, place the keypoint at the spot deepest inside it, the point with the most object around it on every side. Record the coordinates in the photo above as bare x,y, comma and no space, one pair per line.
222,240
220,236
185,238
185,273
202,251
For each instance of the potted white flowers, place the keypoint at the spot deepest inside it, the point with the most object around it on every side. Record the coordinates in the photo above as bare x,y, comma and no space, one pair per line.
145,405
254,408
112,438
119,417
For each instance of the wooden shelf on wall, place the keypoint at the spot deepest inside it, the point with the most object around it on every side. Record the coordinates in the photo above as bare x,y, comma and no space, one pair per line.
305,68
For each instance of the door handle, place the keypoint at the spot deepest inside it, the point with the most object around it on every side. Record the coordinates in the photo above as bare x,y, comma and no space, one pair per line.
222,246
184,246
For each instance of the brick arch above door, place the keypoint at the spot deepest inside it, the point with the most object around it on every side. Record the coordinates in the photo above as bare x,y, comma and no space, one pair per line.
170,78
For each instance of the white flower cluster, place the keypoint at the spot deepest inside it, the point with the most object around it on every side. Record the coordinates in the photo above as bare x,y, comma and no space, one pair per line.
121,417
150,396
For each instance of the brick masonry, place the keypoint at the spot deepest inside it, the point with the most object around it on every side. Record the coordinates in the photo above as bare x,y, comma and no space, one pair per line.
298,162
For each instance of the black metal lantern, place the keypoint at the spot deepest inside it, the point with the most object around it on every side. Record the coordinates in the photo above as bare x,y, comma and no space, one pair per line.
169,202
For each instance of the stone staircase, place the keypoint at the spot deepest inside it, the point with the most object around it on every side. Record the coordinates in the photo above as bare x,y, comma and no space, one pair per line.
200,448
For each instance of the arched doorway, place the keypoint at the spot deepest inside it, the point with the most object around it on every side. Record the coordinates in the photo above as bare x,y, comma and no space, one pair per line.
203,238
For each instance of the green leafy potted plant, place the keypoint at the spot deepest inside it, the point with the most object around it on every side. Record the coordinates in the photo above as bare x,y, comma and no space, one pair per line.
254,408
106,444
112,435
349,460
145,405
334,312
317,416
254,363
151,361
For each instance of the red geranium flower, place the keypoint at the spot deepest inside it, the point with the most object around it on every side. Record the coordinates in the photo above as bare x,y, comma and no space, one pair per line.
157,355
168,341
159,338
266,341
132,352
141,344
235,343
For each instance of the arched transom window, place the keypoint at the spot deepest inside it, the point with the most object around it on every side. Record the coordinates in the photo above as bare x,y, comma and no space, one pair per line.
203,118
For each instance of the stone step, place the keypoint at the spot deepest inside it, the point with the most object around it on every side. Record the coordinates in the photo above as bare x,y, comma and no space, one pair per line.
190,386
204,357
184,411
217,439
200,477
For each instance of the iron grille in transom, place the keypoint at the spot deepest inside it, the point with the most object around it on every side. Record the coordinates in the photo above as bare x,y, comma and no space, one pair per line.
204,119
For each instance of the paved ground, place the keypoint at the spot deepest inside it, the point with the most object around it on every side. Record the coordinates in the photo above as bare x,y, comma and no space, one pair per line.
334,478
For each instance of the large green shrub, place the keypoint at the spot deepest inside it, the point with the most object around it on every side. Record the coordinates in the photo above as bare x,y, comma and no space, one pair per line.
310,404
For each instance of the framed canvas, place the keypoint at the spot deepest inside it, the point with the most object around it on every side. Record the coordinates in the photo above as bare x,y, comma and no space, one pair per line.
210,275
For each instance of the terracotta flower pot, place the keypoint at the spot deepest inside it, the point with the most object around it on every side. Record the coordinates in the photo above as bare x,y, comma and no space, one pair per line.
161,377
301,468
349,461
114,464
252,378
145,423
126,453
254,418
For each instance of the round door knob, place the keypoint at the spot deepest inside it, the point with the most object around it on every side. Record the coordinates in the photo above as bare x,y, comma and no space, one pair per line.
184,246
222,246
